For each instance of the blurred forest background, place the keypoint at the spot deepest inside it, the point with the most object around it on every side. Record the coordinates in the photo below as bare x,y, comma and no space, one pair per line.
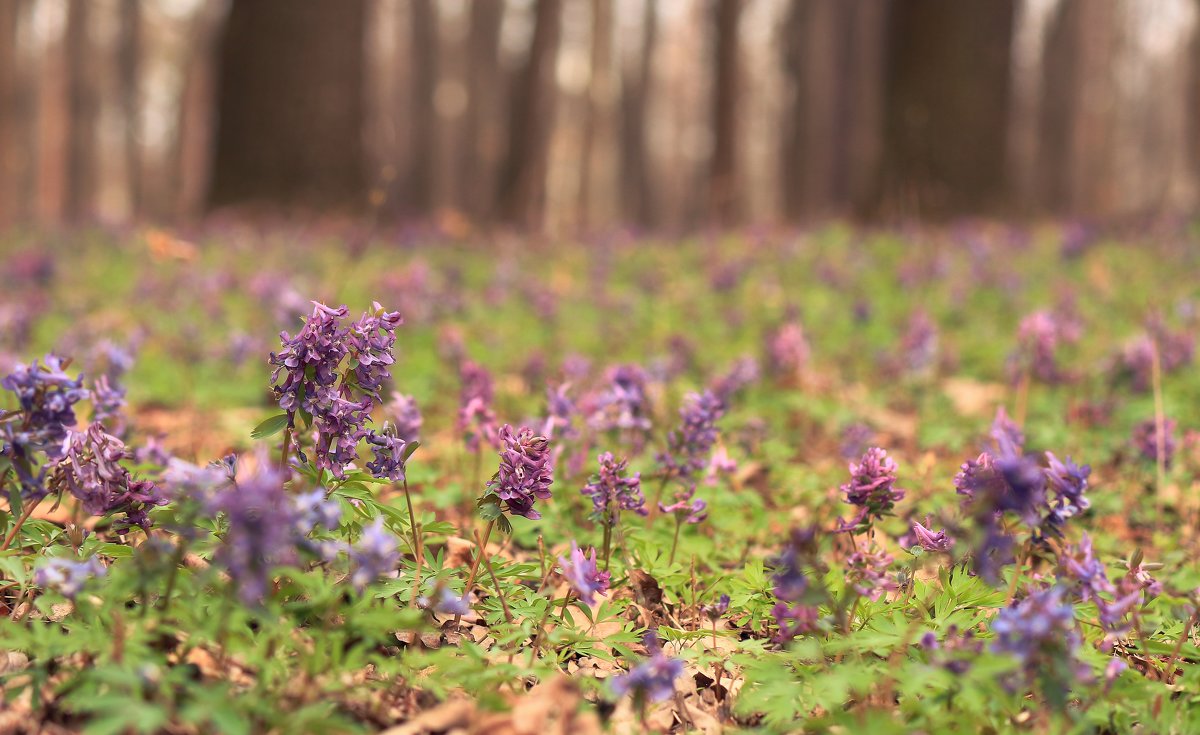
569,116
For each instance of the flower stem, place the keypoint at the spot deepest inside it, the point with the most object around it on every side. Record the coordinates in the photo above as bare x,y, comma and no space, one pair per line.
1160,421
12,534
675,542
487,534
417,546
496,583
607,542
286,449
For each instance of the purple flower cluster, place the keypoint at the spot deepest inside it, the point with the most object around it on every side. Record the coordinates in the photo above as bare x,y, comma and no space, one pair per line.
561,412
929,540
653,680
919,345
793,615
688,507
91,471
1145,440
405,416
391,454
67,576
872,487
1039,631
1038,337
743,373
46,395
867,573
307,372
716,610
612,491
1081,573
623,405
260,533
374,555
689,446
787,351
525,473
583,575
108,403
476,421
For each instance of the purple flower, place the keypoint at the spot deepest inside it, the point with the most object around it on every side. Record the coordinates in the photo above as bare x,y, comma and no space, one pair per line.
1145,440
794,620
1007,436
919,345
653,680
743,373
867,573
308,363
1068,481
1038,337
687,507
447,603
930,541
1039,631
715,611
872,487
583,574
561,412
371,340
374,555
622,406
46,395
67,576
1082,571
306,378
689,446
525,474
391,455
612,492
405,416
108,402
789,582
856,439
91,471
787,351
313,510
261,523
477,424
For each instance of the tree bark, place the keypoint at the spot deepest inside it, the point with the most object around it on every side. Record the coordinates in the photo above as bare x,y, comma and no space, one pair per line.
724,193
484,123
129,49
290,105
523,180
946,107
9,113
82,113
601,87
638,196
423,49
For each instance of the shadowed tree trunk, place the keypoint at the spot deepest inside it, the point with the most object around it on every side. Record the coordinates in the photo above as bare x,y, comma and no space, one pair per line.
723,178
946,107
290,105
129,47
596,121
484,122
82,113
523,180
636,193
10,114
423,50
833,61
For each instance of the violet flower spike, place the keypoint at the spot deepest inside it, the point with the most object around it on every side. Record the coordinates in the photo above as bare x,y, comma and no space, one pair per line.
584,576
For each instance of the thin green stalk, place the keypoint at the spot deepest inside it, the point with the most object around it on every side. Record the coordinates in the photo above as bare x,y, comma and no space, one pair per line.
487,534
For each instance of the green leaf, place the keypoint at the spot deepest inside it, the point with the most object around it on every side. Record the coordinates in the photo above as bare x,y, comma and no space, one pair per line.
270,427
409,449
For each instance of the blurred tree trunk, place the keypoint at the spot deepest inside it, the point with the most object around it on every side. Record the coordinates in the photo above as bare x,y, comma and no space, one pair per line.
637,194
82,114
484,123
9,112
833,61
290,105
52,131
129,49
596,121
423,48
196,118
946,107
724,191
523,180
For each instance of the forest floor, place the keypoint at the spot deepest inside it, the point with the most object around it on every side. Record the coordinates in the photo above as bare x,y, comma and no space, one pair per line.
863,499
